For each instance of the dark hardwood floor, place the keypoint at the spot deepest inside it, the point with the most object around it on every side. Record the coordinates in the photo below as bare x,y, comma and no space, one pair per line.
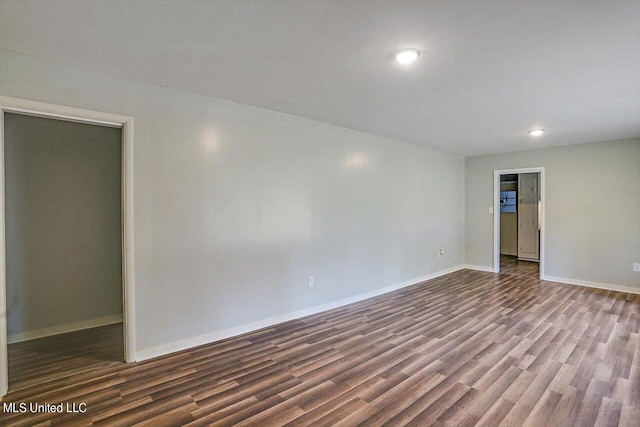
469,348
58,356
511,265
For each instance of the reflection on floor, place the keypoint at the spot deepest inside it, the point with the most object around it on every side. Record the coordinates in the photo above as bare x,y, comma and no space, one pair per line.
50,358
511,265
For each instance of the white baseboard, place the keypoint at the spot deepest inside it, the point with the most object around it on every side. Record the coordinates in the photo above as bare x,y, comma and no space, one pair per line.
479,268
599,285
239,330
62,329
568,281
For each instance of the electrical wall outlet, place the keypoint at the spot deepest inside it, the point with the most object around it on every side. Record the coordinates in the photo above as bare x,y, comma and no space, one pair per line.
310,281
440,253
636,267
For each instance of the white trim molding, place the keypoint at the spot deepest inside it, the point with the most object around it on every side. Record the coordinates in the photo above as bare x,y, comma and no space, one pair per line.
568,281
589,284
249,327
496,214
60,112
479,268
65,328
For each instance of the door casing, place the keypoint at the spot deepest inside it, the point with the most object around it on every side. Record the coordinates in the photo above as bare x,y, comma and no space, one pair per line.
496,214
59,112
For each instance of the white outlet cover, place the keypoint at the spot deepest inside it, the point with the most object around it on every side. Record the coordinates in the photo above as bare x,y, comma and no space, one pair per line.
636,267
490,210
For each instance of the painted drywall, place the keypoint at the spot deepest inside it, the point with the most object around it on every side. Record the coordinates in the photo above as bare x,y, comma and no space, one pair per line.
63,233
592,209
509,233
235,206
509,225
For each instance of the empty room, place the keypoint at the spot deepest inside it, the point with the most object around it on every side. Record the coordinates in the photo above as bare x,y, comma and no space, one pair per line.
320,212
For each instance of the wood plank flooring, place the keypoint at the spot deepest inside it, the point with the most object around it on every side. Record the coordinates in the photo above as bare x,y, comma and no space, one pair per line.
469,348
58,356
511,265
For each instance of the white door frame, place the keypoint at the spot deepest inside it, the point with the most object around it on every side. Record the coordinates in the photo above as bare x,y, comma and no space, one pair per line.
496,214
40,109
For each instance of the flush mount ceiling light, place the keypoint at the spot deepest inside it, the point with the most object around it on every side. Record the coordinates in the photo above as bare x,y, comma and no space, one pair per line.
407,56
536,132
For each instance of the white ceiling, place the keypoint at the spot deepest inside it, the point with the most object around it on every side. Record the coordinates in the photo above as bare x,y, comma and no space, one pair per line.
489,71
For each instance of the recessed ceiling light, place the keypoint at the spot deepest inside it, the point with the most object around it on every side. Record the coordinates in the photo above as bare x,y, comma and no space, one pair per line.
407,56
536,132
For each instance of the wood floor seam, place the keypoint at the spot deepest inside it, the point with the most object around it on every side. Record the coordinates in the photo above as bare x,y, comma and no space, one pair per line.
468,348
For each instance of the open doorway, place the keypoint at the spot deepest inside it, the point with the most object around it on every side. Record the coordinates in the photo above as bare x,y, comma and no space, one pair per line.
66,285
519,222
63,240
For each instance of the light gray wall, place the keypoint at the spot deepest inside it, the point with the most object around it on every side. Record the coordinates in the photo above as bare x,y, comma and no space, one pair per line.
509,233
509,225
236,206
63,234
592,209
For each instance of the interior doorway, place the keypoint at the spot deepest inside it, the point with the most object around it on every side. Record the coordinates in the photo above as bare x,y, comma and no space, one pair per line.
519,221
63,240
31,213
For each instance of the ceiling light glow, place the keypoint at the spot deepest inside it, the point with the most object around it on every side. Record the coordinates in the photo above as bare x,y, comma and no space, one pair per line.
407,56
536,132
